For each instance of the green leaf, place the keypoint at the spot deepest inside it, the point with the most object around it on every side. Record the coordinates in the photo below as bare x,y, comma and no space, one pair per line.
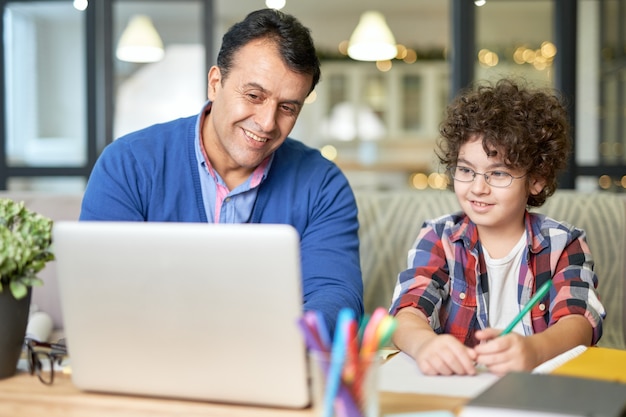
25,240
18,289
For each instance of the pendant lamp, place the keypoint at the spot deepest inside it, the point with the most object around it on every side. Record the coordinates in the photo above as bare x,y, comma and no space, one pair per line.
372,39
140,42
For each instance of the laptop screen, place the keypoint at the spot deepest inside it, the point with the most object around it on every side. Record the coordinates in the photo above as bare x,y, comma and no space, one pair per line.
188,310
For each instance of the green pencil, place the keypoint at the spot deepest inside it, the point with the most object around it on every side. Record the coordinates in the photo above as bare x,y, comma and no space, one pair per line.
533,301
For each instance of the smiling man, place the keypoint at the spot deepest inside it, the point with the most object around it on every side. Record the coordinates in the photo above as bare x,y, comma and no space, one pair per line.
234,161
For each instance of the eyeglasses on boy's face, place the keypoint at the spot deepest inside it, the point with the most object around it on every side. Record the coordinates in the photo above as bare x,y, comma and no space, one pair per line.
495,178
42,358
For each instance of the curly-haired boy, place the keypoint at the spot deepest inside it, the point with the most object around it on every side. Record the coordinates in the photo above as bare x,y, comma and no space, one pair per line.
472,272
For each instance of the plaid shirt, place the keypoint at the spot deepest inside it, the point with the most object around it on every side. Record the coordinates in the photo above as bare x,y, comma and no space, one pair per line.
447,277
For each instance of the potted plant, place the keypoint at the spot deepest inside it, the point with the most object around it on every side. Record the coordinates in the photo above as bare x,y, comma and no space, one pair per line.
25,240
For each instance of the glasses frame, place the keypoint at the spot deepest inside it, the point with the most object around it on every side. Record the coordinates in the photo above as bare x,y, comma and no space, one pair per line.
35,350
486,175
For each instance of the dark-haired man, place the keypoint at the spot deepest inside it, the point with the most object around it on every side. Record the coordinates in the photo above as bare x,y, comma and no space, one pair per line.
233,162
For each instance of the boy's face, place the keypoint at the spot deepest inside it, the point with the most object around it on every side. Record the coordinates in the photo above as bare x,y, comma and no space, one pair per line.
496,211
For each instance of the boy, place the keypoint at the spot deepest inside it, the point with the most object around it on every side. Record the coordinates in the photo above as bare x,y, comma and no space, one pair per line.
472,272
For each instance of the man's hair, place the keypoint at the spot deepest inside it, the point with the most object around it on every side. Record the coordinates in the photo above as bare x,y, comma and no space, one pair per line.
528,126
292,39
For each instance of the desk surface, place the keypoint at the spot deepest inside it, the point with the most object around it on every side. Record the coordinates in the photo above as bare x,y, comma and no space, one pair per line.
23,395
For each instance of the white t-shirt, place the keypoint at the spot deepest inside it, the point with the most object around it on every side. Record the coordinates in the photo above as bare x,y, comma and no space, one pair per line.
503,275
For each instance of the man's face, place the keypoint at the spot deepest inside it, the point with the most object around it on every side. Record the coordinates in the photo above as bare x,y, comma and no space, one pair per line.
254,108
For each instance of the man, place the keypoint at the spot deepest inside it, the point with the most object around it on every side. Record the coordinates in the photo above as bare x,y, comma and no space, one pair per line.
233,162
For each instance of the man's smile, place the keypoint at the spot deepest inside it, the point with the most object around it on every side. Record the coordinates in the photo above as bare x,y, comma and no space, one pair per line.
254,137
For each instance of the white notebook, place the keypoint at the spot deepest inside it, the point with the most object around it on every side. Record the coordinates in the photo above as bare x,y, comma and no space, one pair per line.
551,364
401,374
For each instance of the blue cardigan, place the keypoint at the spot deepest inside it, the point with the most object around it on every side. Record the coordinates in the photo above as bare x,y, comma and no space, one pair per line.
152,175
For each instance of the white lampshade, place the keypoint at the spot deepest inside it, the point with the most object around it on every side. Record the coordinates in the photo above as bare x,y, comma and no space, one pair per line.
140,42
372,39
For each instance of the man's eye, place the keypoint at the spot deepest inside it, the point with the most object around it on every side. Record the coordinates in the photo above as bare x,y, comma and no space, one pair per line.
464,170
289,109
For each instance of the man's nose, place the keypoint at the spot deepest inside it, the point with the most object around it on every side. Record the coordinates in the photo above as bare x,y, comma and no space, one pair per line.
266,116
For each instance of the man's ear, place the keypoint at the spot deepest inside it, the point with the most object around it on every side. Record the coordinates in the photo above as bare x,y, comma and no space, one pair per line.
213,82
536,185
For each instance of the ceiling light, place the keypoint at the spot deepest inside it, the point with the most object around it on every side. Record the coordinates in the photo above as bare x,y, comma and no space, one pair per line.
275,4
80,5
140,42
372,39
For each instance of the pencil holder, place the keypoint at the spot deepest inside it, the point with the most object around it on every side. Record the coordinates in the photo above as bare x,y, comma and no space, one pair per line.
345,389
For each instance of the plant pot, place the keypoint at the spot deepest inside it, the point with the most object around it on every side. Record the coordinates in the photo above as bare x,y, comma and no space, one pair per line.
13,321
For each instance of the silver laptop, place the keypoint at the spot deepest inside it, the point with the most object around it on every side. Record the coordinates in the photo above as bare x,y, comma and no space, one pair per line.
184,310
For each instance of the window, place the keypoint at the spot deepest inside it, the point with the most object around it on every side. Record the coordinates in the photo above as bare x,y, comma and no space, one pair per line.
175,86
44,96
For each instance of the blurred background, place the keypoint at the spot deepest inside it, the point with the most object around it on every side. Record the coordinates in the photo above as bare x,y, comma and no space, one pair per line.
75,77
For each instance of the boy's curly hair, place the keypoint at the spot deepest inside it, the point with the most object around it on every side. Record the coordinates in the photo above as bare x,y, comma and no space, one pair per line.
529,126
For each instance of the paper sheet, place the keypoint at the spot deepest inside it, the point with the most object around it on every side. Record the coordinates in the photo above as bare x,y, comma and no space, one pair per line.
401,374
552,364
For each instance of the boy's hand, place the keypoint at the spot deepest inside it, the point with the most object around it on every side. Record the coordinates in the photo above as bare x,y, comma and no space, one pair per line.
445,355
512,352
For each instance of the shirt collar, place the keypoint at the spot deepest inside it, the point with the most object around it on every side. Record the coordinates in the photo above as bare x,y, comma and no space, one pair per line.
468,233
